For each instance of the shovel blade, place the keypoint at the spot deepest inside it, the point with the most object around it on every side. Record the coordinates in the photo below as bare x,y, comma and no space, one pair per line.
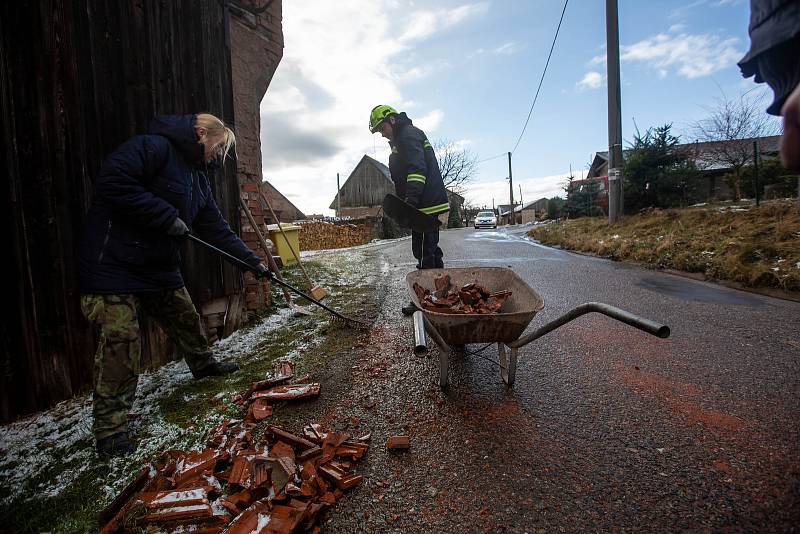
319,292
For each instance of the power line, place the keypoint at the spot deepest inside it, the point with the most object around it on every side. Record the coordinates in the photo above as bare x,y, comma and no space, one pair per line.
542,78
493,157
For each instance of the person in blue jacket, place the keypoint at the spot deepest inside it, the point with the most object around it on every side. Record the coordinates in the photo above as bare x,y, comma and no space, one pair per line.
417,179
148,194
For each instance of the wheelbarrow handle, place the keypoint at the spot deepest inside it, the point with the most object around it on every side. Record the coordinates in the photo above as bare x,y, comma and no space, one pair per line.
646,325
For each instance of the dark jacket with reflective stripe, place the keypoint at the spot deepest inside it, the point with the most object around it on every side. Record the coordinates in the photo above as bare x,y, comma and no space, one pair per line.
140,190
414,169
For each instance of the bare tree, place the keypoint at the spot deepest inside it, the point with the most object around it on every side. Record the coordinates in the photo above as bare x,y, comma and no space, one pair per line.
730,129
457,164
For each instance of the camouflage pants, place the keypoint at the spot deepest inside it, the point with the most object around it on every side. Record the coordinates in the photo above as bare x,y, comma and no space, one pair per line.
117,361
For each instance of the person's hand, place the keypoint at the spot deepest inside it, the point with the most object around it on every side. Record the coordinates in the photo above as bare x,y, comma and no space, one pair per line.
178,228
263,272
790,142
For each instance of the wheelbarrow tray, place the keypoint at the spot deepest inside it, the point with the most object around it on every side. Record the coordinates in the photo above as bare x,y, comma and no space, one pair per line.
460,329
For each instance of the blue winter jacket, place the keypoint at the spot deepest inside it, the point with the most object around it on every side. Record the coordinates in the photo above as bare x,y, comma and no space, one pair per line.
140,190
415,170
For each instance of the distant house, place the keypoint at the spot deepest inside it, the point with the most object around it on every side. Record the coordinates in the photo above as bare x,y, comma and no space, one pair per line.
531,211
705,156
504,213
283,207
363,191
361,195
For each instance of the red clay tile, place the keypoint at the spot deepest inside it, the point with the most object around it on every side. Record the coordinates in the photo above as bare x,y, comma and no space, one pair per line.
309,454
291,392
173,498
192,465
175,513
258,410
398,443
295,441
254,520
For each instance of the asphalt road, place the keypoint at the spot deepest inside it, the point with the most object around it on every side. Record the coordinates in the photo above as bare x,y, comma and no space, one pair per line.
606,429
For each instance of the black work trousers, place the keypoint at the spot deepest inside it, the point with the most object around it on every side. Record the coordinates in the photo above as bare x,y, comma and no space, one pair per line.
426,250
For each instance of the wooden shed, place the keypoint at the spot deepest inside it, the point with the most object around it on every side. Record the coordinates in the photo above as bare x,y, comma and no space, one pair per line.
363,191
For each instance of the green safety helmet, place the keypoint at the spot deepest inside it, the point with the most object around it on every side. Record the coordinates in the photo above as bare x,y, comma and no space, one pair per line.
378,115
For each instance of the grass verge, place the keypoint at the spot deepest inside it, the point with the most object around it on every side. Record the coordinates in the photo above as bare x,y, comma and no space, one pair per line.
758,247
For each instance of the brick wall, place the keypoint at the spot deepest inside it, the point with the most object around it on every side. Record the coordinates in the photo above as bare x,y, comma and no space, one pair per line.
256,49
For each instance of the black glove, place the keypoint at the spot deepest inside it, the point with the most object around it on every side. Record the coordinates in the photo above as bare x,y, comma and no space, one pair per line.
263,272
178,228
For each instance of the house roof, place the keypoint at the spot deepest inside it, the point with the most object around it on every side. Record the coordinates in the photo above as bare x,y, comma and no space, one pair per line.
273,191
384,171
451,193
699,152
528,205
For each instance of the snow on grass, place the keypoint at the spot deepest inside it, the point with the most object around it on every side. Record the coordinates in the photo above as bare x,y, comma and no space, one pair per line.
43,454
63,435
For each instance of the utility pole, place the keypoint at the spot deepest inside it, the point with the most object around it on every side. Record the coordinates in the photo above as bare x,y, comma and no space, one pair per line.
510,183
615,200
338,197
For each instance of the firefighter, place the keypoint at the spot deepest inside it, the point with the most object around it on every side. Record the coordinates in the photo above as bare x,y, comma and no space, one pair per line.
417,179
147,194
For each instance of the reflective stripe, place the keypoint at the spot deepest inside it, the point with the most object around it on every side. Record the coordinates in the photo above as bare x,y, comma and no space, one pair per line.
436,209
426,144
416,178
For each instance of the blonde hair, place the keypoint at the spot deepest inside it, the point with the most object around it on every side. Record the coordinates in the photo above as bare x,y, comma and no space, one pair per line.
216,128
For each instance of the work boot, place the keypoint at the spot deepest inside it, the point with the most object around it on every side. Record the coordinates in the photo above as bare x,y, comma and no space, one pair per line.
115,445
410,309
215,369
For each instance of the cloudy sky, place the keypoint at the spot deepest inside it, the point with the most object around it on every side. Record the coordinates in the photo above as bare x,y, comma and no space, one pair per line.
467,71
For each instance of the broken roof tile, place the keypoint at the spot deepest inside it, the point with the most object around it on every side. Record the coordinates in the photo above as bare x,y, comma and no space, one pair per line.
290,392
398,443
175,513
172,498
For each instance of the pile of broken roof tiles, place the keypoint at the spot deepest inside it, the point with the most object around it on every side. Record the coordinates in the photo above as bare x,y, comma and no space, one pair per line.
471,298
279,483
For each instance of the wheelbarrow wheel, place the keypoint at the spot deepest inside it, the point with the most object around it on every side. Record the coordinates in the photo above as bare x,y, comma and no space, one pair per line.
444,364
508,365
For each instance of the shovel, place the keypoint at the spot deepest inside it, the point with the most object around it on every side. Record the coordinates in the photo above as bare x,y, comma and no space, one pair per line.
408,216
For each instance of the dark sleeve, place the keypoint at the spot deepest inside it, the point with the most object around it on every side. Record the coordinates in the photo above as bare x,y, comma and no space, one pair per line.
416,170
212,226
121,182
397,175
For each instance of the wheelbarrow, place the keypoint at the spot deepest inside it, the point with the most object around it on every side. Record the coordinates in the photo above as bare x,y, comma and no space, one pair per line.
451,332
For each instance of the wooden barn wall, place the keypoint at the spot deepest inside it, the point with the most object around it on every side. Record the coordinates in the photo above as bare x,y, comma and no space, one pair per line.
366,186
77,78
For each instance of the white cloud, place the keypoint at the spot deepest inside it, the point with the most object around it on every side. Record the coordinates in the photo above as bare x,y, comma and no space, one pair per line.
423,24
431,121
689,55
507,49
340,60
591,80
